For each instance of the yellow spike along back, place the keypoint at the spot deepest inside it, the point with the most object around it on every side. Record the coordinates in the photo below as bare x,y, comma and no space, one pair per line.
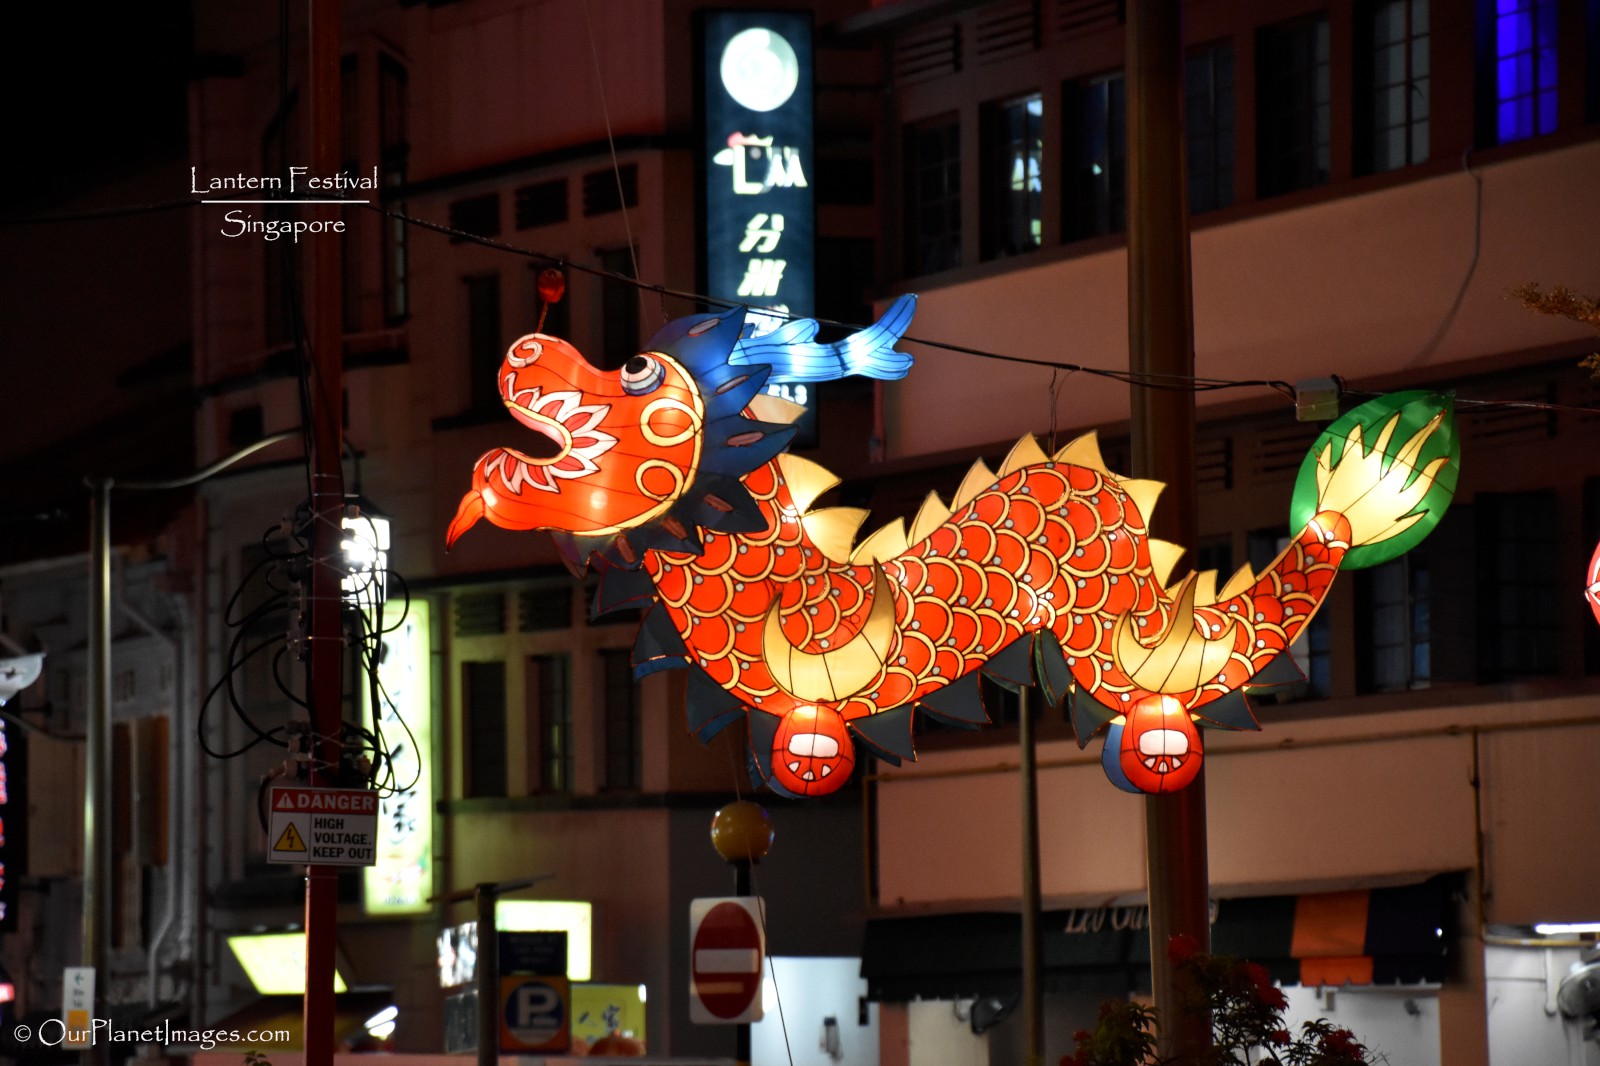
806,480
980,477
1026,452
930,516
833,530
884,543
1084,451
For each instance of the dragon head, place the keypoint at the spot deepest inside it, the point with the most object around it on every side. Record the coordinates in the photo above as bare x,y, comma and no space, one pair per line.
645,457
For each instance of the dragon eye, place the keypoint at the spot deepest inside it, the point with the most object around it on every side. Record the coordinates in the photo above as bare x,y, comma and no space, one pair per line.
642,374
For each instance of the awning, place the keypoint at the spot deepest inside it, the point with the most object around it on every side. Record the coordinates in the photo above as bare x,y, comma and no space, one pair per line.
1364,936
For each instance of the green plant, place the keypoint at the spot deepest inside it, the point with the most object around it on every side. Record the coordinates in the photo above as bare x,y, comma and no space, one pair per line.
1247,1026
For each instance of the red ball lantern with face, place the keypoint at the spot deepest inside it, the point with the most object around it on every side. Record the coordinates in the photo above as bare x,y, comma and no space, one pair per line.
812,753
1160,745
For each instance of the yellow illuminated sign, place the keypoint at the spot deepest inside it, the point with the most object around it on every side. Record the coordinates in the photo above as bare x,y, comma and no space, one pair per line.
276,962
573,917
401,881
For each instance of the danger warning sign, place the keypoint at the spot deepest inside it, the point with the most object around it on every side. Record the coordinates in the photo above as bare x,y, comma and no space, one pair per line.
333,826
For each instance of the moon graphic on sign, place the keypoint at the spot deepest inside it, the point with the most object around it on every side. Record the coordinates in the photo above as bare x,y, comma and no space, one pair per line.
759,69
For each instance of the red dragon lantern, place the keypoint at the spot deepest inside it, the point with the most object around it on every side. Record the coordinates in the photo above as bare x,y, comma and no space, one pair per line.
670,477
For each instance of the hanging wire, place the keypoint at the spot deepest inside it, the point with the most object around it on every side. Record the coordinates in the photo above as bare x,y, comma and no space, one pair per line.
1170,382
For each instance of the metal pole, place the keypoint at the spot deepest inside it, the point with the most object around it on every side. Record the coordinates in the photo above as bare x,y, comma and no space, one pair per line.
741,1031
1032,944
488,976
97,762
1161,341
324,303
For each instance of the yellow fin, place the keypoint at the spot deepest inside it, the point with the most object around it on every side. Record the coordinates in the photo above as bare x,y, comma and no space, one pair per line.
1205,588
884,543
1182,658
1241,581
1084,451
806,480
840,672
1164,555
1026,452
930,516
1144,494
978,478
833,530
770,408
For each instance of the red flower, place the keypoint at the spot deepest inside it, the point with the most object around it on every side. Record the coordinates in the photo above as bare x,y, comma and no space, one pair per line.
1280,1037
1267,994
1082,1036
1343,1042
1182,947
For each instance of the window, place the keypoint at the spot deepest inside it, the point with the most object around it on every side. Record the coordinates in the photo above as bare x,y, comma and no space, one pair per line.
393,151
545,608
479,215
1013,151
483,340
1293,111
1520,594
933,195
601,194
1208,112
483,697
1394,604
1392,86
624,739
549,689
1097,168
542,204
619,310
1524,78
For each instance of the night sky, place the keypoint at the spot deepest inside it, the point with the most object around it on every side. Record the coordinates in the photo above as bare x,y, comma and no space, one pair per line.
90,94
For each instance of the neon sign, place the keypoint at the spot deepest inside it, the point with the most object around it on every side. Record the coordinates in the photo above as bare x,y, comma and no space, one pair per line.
760,233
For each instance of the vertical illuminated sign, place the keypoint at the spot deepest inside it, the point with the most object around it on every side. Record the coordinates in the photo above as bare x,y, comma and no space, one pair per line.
401,880
760,221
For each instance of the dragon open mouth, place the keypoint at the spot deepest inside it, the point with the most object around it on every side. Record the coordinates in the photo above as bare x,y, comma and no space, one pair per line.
567,439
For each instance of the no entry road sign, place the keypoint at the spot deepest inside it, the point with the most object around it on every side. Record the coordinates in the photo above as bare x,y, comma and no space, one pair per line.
727,952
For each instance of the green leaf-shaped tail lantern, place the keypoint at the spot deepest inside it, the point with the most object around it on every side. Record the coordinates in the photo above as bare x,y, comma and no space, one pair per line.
1389,467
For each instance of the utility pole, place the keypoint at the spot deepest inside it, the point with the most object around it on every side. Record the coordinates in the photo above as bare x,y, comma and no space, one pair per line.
1032,934
1161,342
97,765
324,303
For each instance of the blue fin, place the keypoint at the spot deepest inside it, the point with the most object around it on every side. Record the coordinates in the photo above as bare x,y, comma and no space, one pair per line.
658,645
763,731
1089,715
1232,711
1050,666
888,733
1281,669
708,707
1111,763
621,588
1013,668
794,355
959,703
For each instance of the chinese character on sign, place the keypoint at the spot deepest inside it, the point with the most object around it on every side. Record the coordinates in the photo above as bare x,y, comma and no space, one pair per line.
745,154
762,277
762,233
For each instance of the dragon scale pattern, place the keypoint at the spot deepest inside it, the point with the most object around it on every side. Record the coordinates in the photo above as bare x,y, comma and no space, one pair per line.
1055,547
